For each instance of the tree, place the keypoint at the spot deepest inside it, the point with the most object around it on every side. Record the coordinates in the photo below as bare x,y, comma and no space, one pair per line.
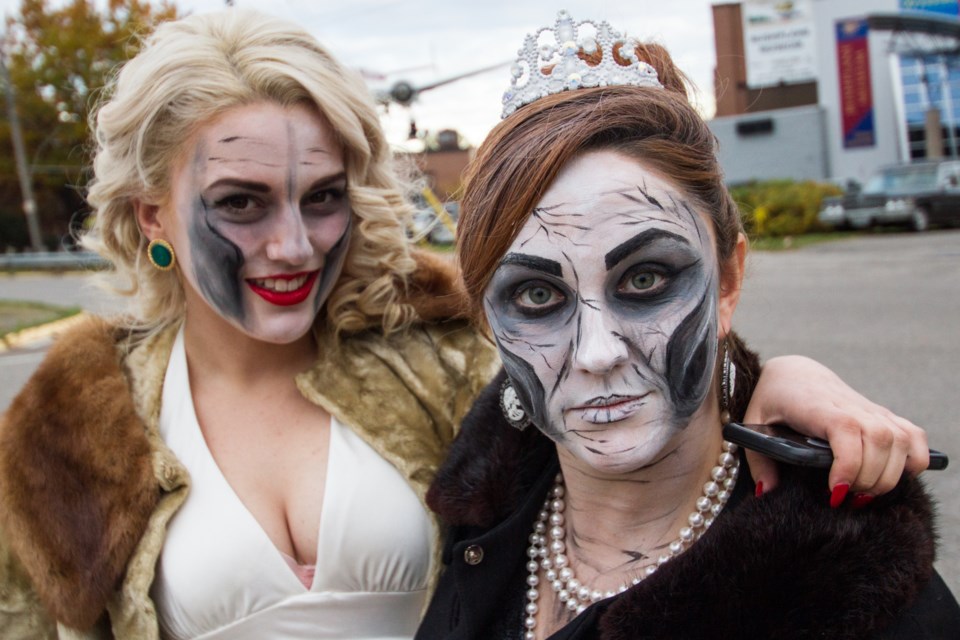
58,59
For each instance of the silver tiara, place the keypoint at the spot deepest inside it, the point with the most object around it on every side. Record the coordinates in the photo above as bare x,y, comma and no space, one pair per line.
565,69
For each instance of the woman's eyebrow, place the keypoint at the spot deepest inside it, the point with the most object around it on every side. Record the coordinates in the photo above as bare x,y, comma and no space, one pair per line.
648,236
250,185
551,267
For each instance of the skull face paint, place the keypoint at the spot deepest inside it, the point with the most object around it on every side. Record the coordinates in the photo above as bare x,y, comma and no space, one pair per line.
260,204
604,309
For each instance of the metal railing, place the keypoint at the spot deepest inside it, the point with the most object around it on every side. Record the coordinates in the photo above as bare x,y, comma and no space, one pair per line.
52,261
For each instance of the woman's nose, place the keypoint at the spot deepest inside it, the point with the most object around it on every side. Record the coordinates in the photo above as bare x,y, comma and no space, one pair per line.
289,240
600,347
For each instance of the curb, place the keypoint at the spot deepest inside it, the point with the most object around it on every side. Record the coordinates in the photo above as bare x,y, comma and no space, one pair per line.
32,335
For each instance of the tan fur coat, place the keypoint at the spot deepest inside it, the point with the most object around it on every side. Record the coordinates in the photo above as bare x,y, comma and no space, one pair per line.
87,486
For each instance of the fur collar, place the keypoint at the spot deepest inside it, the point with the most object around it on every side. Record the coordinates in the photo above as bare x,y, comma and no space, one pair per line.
78,479
784,565
76,476
435,289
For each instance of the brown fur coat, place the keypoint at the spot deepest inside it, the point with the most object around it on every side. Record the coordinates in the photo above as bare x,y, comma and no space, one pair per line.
87,485
783,566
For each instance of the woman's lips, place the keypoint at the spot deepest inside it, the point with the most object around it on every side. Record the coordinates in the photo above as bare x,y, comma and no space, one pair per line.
284,290
607,409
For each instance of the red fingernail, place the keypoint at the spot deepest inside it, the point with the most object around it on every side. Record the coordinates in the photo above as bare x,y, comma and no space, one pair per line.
838,494
759,490
861,500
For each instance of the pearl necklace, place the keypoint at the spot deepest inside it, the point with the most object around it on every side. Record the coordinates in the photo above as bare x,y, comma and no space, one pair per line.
577,596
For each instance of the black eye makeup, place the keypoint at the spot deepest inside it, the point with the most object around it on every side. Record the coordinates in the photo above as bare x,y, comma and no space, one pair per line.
649,280
325,200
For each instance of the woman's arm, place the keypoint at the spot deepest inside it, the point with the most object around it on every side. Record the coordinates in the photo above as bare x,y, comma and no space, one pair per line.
872,446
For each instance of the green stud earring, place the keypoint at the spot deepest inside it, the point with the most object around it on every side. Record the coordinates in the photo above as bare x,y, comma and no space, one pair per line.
161,255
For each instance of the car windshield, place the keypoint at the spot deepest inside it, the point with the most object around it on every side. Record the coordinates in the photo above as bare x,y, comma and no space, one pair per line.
902,179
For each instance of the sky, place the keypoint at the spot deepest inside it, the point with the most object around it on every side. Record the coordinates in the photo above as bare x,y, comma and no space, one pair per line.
436,39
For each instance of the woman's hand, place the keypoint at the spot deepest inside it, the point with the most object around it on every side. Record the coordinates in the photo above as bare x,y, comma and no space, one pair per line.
872,446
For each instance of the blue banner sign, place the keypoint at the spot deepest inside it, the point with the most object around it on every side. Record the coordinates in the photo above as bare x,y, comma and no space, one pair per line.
948,7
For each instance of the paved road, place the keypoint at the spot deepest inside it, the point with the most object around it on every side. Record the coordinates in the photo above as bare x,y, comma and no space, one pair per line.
883,311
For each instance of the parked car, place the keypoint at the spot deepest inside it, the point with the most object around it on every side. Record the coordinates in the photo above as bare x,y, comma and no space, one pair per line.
918,195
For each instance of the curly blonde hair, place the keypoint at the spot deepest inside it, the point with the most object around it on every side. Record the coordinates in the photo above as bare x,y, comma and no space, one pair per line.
187,73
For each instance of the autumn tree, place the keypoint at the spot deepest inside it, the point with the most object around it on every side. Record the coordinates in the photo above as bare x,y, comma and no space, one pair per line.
59,57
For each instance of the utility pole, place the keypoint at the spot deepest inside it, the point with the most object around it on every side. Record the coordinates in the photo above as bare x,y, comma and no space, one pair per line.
23,171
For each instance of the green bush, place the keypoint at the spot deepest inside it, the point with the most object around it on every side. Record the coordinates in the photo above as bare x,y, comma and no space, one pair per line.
777,208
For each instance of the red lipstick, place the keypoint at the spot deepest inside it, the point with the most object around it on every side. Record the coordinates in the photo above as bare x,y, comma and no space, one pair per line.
285,298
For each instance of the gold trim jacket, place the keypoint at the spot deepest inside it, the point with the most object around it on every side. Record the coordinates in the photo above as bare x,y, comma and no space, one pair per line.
87,486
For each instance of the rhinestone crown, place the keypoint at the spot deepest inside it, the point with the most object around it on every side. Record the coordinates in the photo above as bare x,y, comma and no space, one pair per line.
545,68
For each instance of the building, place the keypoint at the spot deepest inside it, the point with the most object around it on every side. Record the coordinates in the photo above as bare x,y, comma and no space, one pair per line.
834,89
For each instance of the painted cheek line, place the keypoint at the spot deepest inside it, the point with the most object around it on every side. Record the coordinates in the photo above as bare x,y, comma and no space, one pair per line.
561,375
503,338
333,260
580,434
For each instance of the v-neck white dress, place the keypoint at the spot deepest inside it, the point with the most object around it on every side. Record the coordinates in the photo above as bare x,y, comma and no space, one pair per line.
220,576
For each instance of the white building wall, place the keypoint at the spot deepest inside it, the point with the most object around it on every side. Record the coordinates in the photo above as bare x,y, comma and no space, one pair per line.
794,149
858,163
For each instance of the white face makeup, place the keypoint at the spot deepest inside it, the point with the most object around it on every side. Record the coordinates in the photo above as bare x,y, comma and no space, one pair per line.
260,219
605,312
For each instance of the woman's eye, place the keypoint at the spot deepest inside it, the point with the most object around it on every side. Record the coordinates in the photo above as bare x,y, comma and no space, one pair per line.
538,298
235,202
642,281
239,208
326,196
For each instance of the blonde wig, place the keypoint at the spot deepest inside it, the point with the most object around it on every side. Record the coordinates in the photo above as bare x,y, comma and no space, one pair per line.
189,72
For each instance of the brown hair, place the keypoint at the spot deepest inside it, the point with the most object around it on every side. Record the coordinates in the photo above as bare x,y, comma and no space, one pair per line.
522,156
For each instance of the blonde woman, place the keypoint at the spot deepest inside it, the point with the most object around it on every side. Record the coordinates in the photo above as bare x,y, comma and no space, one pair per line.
245,453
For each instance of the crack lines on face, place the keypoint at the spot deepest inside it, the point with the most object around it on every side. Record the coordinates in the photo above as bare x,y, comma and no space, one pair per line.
563,374
549,227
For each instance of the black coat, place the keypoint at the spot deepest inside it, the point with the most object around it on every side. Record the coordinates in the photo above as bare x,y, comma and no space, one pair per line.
783,566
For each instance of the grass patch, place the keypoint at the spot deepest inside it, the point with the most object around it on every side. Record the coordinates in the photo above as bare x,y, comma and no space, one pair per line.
16,315
785,243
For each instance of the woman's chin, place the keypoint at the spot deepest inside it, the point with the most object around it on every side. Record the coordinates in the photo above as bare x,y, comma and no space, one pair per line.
609,459
279,331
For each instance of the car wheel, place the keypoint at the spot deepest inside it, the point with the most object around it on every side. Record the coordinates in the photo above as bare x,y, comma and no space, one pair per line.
920,220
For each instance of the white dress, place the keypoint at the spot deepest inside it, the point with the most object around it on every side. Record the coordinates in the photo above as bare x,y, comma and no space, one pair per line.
220,576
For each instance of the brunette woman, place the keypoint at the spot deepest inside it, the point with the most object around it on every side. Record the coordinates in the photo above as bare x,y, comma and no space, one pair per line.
590,493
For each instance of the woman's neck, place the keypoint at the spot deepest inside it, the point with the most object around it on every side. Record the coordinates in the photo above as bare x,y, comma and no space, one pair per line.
616,526
218,350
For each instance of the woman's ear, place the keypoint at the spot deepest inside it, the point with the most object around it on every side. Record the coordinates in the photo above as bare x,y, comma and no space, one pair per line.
731,281
149,220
